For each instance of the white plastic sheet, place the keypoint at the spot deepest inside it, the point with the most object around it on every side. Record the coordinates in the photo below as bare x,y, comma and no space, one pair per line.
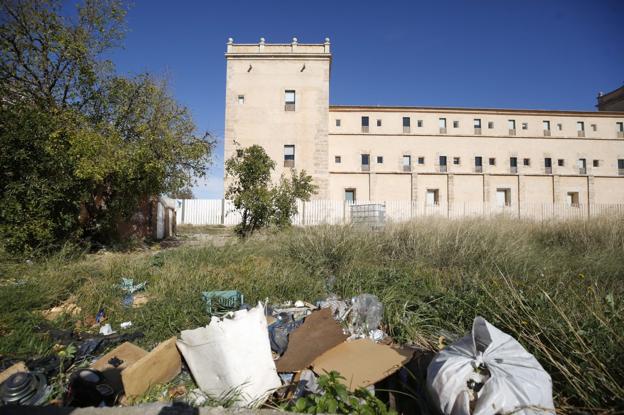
513,380
232,357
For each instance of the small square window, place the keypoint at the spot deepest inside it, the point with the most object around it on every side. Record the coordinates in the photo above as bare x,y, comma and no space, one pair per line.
594,127
433,197
455,124
525,125
503,197
337,122
350,195
456,160
337,159
527,162
378,123
241,99
596,163
420,123
560,162
421,160
239,153
490,124
559,127
379,159
492,161
572,199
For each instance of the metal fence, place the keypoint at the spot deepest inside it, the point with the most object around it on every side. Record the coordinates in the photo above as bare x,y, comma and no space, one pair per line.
317,212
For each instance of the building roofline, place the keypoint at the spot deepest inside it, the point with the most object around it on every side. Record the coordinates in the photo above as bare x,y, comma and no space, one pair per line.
372,108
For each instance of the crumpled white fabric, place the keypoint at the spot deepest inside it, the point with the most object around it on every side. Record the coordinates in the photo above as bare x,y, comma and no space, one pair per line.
232,356
517,382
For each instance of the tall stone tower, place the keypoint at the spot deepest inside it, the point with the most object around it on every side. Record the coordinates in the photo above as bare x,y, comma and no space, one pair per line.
277,96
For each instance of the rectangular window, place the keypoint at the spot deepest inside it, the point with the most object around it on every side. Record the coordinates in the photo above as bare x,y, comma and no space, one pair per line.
442,125
503,197
525,125
572,199
337,159
455,124
546,125
337,122
512,127
580,128
364,124
350,195
561,162
478,164
621,167
548,165
239,153
407,162
477,123
406,124
513,164
443,164
241,99
582,166
420,123
378,123
289,100
492,161
596,163
619,126
365,162
289,155
379,159
421,160
527,162
594,127
490,124
456,160
433,197
559,127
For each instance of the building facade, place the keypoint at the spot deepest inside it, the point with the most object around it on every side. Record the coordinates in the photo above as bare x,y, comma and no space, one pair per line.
277,96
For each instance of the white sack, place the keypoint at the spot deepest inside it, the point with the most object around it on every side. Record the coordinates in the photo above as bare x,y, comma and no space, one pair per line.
517,382
232,354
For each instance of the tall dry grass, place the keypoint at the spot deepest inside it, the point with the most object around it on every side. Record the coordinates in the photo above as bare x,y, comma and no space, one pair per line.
557,287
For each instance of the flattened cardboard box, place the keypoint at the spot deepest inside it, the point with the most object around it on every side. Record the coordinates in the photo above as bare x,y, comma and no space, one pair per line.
362,362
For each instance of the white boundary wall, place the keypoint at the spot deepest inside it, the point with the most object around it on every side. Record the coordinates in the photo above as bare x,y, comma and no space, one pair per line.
317,212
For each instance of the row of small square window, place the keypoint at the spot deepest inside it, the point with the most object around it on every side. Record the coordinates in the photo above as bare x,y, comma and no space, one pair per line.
511,124
478,162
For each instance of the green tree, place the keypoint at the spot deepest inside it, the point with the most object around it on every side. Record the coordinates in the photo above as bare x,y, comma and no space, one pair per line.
252,193
81,147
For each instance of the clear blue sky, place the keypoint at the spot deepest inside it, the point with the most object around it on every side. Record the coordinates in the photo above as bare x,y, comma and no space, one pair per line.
481,53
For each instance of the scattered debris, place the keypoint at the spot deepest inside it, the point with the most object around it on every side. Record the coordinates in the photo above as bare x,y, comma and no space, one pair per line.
140,300
67,307
366,315
89,387
232,353
127,285
100,316
318,333
106,330
220,302
487,372
362,362
25,388
126,324
17,367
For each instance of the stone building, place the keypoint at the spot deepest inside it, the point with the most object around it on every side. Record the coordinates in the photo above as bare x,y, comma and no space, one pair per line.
277,96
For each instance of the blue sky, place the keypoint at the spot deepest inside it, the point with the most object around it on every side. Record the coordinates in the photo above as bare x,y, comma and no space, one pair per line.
486,53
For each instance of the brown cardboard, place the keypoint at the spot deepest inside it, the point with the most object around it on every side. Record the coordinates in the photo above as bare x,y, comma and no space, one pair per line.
318,333
127,352
361,362
159,366
17,367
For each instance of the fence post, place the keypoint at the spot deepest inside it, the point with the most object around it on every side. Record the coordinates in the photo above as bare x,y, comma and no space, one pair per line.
183,211
223,211
303,212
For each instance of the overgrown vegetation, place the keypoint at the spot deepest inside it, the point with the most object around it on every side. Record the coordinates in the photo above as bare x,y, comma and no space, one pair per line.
555,286
81,146
261,203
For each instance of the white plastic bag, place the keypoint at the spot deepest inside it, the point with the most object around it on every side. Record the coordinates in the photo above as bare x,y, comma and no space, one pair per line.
492,369
232,357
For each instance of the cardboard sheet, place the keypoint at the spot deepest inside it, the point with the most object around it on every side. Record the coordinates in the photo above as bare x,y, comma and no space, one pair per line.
128,352
157,367
318,333
362,362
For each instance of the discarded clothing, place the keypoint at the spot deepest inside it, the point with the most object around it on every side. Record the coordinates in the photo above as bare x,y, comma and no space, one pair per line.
490,372
218,302
232,355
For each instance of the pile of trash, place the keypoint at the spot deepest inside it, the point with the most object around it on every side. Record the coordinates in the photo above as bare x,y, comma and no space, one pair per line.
276,352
